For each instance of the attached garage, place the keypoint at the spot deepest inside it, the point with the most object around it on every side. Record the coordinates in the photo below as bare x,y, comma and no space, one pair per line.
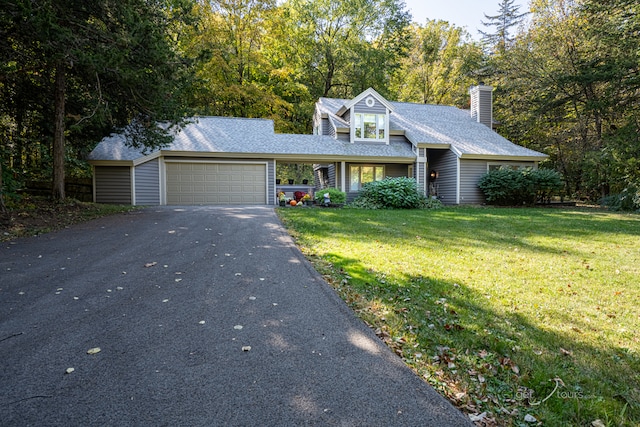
216,183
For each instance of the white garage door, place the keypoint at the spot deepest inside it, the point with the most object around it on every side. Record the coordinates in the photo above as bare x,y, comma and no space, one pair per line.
216,184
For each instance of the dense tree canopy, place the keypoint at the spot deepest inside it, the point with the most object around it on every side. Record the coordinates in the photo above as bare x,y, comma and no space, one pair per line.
567,79
74,70
568,86
439,65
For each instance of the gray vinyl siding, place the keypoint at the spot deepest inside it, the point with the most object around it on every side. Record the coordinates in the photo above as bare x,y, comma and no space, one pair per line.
420,172
327,129
345,137
470,173
331,175
445,163
395,170
482,106
334,175
147,183
378,108
271,182
484,112
113,184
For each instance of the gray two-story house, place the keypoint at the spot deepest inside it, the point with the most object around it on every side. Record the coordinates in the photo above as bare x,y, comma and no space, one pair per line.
222,161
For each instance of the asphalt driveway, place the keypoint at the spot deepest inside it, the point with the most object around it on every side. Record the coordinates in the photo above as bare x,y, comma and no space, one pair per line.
203,316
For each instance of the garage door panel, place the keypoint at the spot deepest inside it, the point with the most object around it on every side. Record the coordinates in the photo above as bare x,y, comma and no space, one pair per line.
215,183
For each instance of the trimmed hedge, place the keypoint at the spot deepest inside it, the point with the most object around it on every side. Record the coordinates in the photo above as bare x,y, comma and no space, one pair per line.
509,187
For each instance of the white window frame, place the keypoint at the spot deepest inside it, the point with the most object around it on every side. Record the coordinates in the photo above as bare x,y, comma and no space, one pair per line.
359,118
376,177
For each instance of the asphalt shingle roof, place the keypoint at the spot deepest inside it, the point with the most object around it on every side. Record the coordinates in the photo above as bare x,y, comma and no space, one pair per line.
440,124
421,123
248,136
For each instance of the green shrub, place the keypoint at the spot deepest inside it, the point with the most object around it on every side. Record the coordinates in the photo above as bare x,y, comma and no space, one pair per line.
627,200
546,183
336,196
510,187
390,193
432,203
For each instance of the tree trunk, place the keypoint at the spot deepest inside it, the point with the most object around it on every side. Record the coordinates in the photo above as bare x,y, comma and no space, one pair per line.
58,134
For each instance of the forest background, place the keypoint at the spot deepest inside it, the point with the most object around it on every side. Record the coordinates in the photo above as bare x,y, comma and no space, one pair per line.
566,74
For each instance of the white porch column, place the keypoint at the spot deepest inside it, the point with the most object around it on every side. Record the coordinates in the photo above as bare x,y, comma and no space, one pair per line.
343,182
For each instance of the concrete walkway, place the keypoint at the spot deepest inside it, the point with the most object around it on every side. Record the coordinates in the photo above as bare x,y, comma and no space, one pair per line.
204,316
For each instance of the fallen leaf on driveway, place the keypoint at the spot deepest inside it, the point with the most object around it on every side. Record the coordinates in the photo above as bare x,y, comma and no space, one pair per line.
150,264
246,348
94,350
69,370
237,327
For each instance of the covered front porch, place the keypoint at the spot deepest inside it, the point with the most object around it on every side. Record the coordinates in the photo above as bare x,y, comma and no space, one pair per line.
346,175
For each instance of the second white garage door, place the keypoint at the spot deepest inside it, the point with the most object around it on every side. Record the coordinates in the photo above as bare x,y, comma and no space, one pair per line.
216,184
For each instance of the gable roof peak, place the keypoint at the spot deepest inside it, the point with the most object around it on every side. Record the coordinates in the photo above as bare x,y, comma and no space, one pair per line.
369,92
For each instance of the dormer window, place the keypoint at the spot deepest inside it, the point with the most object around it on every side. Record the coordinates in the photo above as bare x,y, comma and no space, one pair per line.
367,118
370,126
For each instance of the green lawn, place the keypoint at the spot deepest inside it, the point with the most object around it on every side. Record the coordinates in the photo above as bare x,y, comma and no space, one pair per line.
496,307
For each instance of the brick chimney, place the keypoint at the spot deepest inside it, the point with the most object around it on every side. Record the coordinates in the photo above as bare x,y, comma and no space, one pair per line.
482,104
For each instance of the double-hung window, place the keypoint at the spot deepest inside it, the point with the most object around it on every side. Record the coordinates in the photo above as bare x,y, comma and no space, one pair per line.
370,126
360,175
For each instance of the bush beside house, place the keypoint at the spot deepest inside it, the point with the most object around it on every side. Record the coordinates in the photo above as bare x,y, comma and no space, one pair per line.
510,187
337,197
393,193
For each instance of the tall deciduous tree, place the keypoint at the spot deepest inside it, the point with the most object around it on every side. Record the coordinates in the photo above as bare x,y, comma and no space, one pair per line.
439,66
341,47
237,67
